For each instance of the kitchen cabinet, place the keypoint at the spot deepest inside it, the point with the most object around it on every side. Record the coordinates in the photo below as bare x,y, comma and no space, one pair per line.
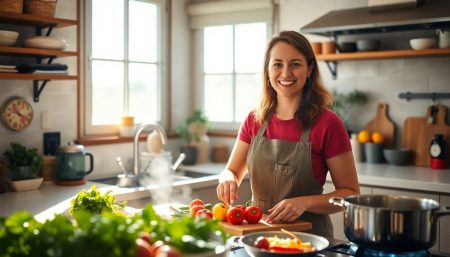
444,226
41,23
338,218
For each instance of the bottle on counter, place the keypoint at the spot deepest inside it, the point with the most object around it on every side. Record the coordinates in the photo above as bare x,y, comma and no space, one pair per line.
438,152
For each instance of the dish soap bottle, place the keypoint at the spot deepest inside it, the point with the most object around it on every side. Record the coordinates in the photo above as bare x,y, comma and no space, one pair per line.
438,152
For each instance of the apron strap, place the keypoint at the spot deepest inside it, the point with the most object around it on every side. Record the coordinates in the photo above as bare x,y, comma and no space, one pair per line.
263,126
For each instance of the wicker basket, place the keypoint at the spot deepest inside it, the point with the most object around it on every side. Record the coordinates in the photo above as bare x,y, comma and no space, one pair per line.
40,7
15,6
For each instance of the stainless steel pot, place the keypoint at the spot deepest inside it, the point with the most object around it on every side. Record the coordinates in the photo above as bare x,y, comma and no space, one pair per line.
247,241
390,222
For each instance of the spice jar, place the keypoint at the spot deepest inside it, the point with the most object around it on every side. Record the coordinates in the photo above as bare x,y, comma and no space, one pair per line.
438,152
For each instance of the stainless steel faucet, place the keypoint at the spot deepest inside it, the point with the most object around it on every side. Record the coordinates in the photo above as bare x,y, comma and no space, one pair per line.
156,127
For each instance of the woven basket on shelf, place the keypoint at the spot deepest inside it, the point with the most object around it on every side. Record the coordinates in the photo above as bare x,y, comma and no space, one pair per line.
15,6
40,7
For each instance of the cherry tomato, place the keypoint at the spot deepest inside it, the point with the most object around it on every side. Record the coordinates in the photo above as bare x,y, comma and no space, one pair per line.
240,206
155,246
143,248
262,243
206,213
195,209
196,202
145,236
235,215
220,212
253,214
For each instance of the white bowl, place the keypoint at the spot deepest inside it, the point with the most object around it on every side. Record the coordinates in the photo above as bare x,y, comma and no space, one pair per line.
25,185
54,43
422,43
8,38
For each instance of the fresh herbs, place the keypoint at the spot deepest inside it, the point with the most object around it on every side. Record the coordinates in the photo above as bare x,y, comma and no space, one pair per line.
94,201
20,156
105,234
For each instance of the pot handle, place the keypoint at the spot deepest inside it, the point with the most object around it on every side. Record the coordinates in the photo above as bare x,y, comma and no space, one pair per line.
337,201
445,211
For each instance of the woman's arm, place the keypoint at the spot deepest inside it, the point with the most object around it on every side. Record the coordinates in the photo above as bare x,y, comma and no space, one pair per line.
343,173
232,176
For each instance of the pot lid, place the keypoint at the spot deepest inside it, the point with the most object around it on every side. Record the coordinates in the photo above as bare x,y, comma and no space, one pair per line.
71,147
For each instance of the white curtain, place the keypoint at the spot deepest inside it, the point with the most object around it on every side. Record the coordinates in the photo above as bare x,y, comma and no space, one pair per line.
214,13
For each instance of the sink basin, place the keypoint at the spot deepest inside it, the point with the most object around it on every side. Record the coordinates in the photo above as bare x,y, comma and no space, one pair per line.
180,176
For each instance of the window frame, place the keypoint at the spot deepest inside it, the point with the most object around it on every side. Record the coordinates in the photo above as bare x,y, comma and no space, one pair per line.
199,75
86,127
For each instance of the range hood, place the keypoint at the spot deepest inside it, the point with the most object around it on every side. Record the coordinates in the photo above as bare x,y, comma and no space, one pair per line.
430,14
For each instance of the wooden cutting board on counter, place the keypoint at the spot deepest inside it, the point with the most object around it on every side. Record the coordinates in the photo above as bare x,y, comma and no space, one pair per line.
418,133
383,124
245,228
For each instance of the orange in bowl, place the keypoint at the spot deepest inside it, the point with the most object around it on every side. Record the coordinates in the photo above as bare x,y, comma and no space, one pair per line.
364,136
377,138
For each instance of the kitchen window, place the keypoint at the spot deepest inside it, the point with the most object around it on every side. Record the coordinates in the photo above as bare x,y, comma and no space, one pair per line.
233,60
125,57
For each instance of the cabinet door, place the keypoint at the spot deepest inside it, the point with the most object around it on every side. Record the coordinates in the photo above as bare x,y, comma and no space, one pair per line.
338,218
384,191
444,227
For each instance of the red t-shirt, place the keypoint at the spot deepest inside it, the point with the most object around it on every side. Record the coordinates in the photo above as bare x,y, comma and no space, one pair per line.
328,137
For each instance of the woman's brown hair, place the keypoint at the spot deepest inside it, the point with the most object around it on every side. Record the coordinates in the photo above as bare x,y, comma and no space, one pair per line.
315,95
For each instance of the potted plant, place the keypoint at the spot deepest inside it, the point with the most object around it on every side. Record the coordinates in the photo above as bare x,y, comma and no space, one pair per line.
193,131
344,102
24,165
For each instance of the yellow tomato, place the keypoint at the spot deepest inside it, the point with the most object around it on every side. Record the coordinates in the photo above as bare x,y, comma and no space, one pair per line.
364,136
220,212
377,138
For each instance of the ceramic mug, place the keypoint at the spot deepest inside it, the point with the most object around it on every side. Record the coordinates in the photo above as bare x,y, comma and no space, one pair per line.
444,38
70,163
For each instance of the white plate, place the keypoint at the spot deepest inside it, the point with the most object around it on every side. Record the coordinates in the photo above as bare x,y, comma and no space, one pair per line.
9,34
6,41
46,43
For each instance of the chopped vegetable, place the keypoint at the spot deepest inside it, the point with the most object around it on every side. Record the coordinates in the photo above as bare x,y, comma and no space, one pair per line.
287,244
94,201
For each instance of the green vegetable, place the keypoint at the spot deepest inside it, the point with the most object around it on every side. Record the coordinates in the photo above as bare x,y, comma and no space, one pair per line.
106,234
21,156
94,201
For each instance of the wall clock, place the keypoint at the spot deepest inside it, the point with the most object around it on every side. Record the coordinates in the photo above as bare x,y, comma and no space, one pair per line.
16,113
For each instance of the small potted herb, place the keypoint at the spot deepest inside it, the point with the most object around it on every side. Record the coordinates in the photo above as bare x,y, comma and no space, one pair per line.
24,165
191,131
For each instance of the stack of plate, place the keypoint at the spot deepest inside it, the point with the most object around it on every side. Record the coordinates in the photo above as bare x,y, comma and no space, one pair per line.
8,38
54,43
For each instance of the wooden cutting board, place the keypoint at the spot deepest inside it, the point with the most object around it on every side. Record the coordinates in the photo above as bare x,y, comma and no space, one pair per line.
246,228
427,131
383,124
411,127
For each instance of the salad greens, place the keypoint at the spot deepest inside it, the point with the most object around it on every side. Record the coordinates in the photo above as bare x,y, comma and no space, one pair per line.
105,234
94,201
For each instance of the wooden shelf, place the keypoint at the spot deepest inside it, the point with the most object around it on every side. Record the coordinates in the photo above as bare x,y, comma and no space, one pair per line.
28,76
384,54
33,20
35,52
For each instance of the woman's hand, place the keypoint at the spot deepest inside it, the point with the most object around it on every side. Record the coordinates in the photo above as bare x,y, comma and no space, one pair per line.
288,210
227,191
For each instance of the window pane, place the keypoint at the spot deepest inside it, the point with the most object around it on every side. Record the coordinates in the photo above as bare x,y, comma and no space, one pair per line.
143,100
219,97
143,31
218,49
250,40
108,43
107,92
248,90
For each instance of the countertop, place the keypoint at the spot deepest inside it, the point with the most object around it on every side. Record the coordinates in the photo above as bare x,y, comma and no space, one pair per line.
51,198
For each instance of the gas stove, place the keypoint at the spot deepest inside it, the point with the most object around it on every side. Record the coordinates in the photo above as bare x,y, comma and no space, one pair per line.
340,248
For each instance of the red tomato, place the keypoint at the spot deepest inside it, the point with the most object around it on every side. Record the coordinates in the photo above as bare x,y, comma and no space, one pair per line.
253,214
195,209
262,243
155,246
206,213
167,251
196,202
143,248
235,215
240,206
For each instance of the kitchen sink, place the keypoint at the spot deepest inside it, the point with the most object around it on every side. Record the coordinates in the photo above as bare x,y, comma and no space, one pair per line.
179,176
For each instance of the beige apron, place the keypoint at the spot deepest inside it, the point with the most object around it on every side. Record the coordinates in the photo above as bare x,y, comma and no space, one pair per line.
281,169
